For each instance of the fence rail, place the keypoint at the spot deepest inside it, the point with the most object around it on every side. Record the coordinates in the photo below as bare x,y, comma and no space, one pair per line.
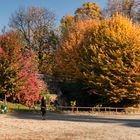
99,109
79,109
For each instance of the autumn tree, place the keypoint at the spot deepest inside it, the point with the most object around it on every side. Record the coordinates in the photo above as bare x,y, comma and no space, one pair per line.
66,21
66,56
18,74
105,56
36,26
128,8
89,10
8,60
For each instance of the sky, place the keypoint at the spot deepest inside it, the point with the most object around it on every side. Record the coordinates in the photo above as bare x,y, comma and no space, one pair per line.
59,7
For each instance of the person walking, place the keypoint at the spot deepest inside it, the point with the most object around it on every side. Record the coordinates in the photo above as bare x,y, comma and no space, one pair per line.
43,107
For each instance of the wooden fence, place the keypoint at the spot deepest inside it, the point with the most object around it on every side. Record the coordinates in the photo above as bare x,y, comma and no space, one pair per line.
80,109
99,109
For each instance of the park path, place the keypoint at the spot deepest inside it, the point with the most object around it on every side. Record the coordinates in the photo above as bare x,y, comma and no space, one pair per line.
69,127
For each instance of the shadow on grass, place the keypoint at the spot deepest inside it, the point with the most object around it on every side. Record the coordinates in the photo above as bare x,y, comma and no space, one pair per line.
80,118
23,110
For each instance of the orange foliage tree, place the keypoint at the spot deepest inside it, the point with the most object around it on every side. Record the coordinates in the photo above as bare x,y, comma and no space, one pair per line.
89,10
105,56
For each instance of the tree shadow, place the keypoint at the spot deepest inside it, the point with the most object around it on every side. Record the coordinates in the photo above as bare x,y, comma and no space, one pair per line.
81,118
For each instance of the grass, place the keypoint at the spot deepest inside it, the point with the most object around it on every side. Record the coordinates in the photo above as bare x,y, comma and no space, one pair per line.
14,107
19,108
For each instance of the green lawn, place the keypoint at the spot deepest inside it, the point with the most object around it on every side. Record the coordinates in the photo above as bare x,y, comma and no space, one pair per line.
13,107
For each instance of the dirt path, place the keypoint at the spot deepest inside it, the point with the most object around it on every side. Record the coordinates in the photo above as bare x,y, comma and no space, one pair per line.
69,127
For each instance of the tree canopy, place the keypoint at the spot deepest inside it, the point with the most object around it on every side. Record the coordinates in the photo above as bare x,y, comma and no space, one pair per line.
99,55
89,10
18,74
105,56
128,8
36,26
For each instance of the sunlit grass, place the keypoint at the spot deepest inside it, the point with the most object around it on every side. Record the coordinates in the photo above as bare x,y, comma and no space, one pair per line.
14,107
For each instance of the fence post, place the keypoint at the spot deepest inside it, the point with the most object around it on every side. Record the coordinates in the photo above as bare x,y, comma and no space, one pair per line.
77,109
98,109
72,109
109,110
116,110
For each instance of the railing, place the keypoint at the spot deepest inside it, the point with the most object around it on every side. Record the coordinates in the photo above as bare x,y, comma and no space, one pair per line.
99,109
79,109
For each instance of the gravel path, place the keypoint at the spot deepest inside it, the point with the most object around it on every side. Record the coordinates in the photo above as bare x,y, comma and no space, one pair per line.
69,127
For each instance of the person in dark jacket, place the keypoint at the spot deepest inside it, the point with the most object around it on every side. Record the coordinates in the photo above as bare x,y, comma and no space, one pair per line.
43,107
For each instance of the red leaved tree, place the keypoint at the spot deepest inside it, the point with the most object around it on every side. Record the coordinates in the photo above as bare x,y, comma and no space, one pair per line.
18,73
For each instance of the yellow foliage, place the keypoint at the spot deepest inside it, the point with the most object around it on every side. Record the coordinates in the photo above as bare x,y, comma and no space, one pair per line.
67,55
66,21
73,103
106,52
88,10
